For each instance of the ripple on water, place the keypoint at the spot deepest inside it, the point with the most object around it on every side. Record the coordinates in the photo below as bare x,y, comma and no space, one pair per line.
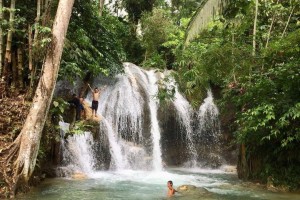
150,185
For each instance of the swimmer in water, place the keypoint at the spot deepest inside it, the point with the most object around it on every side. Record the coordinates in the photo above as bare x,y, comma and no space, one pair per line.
171,190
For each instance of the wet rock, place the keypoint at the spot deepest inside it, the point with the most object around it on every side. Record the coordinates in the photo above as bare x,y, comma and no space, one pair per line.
79,176
87,114
186,188
193,190
175,152
230,169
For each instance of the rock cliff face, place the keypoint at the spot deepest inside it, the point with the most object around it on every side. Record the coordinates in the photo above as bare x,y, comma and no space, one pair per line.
173,139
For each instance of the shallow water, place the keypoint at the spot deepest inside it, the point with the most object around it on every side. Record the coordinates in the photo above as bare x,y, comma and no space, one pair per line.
149,185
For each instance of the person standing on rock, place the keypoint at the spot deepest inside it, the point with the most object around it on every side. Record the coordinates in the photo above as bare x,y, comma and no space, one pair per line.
78,106
96,95
171,190
82,111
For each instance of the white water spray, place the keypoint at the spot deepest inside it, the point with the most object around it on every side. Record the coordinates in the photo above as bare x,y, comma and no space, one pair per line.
77,152
153,89
115,150
208,115
208,132
184,114
184,111
124,107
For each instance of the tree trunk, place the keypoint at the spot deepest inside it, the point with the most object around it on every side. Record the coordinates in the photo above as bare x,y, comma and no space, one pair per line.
37,20
7,59
101,6
243,169
1,38
46,13
14,70
31,42
287,23
271,26
30,47
20,68
29,138
254,28
30,63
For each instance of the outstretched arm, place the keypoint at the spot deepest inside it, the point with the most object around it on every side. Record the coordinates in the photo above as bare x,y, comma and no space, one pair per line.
90,87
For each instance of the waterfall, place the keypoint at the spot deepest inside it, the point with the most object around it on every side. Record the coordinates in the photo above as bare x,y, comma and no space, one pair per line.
77,152
184,114
208,117
153,89
125,106
208,132
133,123
115,150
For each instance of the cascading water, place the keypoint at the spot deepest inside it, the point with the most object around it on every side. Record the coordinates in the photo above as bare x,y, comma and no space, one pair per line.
208,118
77,152
130,127
184,114
126,106
208,131
153,89
184,111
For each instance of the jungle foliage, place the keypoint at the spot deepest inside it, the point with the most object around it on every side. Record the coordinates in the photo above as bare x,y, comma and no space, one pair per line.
95,44
92,45
259,76
257,72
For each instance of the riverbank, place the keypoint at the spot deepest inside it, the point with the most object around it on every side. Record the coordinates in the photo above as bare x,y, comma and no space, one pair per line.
13,112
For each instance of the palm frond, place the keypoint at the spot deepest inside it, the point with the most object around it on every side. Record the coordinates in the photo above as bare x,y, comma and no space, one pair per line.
204,14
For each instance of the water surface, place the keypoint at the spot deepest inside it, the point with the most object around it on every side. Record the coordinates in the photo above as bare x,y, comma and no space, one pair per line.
151,185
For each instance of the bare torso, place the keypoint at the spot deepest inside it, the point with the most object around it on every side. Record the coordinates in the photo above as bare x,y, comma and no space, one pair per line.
96,96
171,192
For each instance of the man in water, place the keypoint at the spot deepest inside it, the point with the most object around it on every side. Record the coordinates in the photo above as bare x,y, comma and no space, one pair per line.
96,95
171,190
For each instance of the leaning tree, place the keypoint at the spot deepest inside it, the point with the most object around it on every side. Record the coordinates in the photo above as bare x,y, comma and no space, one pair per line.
26,145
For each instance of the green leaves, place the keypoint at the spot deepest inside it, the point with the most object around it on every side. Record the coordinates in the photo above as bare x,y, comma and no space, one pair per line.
92,46
55,103
155,61
79,128
58,107
166,89
254,120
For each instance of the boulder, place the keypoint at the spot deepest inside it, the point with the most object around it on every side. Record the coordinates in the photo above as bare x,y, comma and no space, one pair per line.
193,190
88,112
230,169
186,188
79,176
